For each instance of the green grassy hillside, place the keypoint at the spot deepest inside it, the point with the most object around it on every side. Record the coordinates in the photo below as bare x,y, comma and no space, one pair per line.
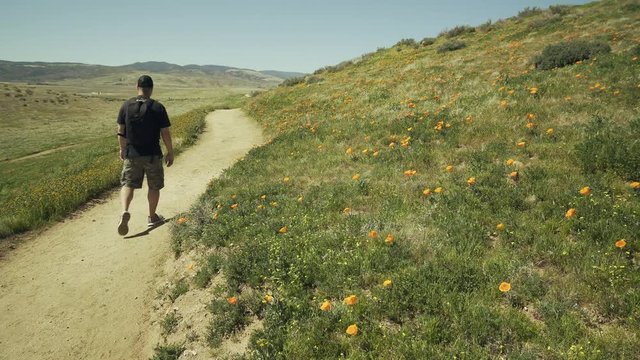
449,204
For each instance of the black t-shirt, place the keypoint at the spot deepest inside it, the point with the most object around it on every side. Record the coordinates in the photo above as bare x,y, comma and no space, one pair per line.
143,119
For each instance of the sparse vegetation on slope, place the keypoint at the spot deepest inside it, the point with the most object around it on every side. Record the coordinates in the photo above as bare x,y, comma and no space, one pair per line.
420,204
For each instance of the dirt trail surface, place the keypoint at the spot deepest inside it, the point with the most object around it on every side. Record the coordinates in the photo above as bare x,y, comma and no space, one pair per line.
78,290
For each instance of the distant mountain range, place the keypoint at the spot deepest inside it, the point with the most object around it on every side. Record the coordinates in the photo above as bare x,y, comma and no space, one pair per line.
40,72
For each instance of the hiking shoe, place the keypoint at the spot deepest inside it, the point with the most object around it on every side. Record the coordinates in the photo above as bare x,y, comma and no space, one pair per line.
123,227
155,220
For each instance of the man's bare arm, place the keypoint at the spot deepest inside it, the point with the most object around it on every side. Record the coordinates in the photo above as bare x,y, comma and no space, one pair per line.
165,133
122,141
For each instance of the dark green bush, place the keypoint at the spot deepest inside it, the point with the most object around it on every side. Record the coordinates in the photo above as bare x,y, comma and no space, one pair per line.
406,43
457,31
529,11
568,52
486,27
609,147
293,81
168,352
333,68
210,268
227,320
544,21
451,45
427,41
559,9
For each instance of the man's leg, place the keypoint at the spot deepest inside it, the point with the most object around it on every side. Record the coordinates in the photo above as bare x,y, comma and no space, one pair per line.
131,178
154,197
155,180
126,195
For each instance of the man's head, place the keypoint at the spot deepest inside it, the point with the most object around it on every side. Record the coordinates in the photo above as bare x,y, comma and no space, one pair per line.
145,85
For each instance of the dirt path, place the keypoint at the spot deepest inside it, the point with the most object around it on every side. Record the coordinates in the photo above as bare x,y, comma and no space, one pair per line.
80,291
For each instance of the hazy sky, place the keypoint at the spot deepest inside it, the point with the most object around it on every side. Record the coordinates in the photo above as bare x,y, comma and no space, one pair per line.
294,35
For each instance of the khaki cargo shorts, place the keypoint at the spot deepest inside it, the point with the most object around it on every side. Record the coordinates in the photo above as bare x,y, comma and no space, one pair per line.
134,169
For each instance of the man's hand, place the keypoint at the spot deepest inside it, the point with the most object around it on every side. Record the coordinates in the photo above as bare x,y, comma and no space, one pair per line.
168,159
122,154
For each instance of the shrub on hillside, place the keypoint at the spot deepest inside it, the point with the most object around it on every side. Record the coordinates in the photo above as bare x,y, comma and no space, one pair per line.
568,52
559,9
313,79
486,27
333,68
406,43
293,81
544,21
609,147
427,41
457,31
168,352
451,45
529,11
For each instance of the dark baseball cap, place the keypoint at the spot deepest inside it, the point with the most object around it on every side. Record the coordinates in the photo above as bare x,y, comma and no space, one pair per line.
145,81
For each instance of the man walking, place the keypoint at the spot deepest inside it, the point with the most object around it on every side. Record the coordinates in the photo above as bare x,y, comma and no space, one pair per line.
141,123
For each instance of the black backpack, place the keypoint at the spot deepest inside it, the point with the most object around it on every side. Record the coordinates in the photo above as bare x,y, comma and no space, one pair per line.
138,121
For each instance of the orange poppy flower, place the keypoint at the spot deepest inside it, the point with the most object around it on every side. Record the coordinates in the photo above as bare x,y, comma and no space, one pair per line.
500,227
449,168
471,181
531,116
376,153
438,190
326,305
283,230
389,239
234,206
521,144
182,220
351,300
349,151
392,145
514,175
355,177
387,283
509,162
550,131
635,185
373,234
232,300
570,213
286,179
346,210
268,299
585,191
530,125
426,192
533,90
621,243
410,173
352,330
504,286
